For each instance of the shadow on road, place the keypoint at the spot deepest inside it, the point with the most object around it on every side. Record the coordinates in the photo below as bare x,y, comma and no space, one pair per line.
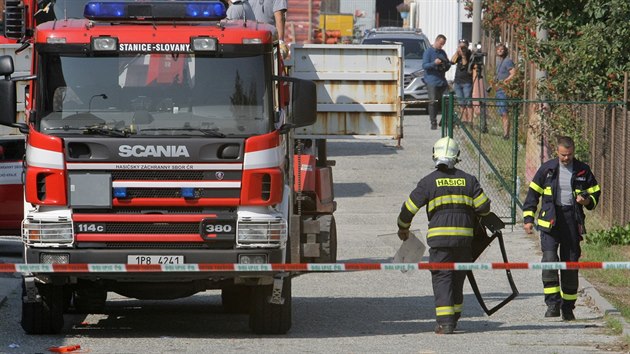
314,317
349,190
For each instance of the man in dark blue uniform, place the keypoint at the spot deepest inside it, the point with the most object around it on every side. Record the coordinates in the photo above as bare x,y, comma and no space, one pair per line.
435,64
453,198
566,185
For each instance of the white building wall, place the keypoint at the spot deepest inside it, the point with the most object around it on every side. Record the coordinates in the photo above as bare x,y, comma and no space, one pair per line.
364,12
442,17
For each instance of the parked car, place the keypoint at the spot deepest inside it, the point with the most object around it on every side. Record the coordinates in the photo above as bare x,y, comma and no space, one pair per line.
414,43
11,188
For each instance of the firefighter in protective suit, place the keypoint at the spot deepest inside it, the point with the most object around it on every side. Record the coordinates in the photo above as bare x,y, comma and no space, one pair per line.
566,186
453,200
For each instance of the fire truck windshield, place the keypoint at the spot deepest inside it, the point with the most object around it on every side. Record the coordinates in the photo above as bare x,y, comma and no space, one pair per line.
155,94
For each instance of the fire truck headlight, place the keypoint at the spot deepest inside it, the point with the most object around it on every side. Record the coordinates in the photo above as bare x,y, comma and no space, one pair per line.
104,44
261,233
47,233
204,44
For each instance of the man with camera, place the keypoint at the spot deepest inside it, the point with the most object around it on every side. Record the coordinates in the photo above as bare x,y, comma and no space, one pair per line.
566,186
463,80
435,63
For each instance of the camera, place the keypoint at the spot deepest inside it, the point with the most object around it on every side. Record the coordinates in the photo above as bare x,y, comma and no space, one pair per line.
477,58
442,67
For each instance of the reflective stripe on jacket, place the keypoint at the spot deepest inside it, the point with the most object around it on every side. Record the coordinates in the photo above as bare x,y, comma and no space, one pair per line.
545,185
452,198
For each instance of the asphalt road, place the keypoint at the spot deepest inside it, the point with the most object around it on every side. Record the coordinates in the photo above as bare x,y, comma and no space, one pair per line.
370,311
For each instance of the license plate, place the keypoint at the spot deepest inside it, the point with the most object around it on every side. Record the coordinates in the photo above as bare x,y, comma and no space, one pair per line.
140,259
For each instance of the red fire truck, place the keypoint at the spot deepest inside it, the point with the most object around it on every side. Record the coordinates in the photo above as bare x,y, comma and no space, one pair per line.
158,132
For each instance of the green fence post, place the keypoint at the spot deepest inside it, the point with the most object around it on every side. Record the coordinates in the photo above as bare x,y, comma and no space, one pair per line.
514,193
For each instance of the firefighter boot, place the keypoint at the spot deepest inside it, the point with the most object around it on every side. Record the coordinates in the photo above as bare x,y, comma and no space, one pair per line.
567,315
446,328
553,310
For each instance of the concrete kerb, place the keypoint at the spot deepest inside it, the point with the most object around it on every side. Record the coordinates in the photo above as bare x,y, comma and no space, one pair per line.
604,305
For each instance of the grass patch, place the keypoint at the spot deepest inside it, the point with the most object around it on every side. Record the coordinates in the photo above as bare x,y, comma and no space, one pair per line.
613,284
614,324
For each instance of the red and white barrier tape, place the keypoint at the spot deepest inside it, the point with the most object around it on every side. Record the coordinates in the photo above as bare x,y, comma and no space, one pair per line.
298,267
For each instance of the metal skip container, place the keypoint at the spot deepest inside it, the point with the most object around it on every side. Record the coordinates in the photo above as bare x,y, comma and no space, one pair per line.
359,89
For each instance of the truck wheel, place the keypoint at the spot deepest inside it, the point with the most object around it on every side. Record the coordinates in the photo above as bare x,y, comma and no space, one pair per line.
267,318
44,316
90,298
328,239
236,298
67,298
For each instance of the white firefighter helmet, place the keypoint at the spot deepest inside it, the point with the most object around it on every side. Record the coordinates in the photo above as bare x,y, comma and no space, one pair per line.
446,152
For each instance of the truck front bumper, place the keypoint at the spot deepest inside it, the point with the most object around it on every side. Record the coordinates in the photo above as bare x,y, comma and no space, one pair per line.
120,256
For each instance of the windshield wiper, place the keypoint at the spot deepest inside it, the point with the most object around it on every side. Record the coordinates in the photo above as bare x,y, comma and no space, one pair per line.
94,130
207,132
105,130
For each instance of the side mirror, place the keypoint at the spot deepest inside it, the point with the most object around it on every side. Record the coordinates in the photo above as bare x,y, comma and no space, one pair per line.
303,110
8,97
304,103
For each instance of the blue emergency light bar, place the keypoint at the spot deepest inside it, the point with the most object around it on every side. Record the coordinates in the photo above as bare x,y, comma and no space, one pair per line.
155,11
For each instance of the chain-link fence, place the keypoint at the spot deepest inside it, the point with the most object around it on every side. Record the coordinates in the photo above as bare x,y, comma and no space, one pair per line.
507,140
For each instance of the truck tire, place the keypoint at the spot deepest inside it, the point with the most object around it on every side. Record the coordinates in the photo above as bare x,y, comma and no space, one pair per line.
89,298
46,315
267,318
236,298
328,239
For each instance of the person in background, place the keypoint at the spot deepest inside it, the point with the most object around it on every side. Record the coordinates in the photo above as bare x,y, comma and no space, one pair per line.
435,63
240,10
463,80
273,12
566,186
505,71
453,198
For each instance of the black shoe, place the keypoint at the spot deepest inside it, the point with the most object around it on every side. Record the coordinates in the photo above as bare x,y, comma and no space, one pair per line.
444,329
568,315
484,130
433,126
553,311
506,137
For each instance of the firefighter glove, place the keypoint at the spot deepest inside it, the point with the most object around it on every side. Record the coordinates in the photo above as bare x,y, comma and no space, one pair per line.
403,234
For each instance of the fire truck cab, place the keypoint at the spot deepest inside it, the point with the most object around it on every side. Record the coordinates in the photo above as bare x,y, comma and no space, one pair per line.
158,132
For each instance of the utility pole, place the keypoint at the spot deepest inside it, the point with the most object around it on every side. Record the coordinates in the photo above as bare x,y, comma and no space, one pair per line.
476,24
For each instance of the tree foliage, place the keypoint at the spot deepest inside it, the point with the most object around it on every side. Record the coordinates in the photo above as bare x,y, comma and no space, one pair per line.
588,45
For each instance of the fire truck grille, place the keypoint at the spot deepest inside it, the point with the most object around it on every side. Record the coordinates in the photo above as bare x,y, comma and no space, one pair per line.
155,210
177,193
157,245
177,175
149,228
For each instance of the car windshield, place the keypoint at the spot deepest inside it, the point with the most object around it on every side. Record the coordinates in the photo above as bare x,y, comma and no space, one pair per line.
414,48
154,94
